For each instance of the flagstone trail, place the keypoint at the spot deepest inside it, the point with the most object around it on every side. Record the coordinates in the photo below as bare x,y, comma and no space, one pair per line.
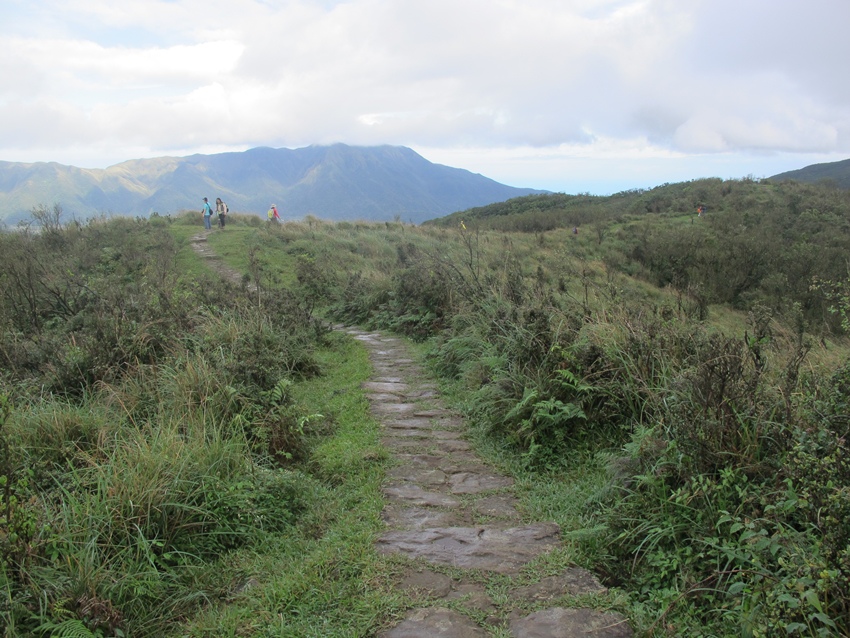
446,508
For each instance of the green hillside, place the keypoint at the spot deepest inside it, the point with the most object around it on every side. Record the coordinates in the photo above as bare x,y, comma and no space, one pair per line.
757,242
183,454
836,174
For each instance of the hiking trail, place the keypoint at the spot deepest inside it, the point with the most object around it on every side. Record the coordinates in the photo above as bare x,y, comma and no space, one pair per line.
456,518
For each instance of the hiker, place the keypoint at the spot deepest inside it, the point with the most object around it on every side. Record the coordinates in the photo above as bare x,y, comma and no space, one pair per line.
221,209
273,214
207,214
700,210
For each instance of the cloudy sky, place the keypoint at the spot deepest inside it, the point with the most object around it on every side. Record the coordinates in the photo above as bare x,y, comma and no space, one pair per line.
567,95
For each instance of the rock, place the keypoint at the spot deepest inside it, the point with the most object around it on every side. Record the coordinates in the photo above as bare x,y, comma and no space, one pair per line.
571,623
499,550
472,596
430,583
411,423
406,444
415,495
414,433
474,483
378,397
420,475
433,413
394,409
385,388
497,506
574,581
418,518
435,622
448,445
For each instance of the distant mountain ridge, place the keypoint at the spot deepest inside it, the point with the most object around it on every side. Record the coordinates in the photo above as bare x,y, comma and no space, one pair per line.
337,182
836,172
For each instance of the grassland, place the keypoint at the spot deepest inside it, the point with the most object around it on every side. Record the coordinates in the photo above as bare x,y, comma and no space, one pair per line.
182,456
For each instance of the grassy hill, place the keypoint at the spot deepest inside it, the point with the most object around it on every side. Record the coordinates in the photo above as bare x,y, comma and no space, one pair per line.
835,174
667,388
758,242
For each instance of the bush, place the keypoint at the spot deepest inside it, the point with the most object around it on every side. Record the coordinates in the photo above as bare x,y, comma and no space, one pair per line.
736,501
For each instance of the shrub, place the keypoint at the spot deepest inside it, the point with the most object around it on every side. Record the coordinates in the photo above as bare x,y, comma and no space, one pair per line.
735,501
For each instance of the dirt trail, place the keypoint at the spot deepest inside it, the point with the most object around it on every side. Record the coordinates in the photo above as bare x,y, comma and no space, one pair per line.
446,509
199,245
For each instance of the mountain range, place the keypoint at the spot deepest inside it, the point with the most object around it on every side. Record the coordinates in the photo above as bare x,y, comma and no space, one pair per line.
337,182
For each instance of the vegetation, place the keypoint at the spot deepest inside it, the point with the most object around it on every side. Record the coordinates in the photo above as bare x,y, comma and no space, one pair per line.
672,390
766,243
727,500
149,426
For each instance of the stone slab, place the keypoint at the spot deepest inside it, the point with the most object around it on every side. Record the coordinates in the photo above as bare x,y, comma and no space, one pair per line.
404,444
489,549
414,495
454,446
385,388
418,474
410,518
411,422
574,582
435,622
497,506
475,483
571,623
408,433
430,583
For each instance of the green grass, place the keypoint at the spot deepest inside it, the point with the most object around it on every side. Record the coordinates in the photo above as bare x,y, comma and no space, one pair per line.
188,261
324,577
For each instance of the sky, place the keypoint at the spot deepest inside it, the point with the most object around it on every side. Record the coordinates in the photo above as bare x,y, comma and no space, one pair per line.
573,96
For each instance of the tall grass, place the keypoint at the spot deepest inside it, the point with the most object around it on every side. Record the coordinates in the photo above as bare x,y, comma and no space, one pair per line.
322,577
156,444
123,513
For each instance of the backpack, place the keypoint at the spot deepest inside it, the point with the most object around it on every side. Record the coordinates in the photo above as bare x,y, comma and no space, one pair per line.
224,209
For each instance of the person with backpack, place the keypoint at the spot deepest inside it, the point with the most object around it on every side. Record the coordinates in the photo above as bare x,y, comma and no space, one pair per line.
221,209
273,215
207,212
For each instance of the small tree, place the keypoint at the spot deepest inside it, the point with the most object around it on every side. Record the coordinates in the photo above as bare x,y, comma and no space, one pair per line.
48,219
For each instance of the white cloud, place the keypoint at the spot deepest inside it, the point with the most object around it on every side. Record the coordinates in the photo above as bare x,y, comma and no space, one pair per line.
574,79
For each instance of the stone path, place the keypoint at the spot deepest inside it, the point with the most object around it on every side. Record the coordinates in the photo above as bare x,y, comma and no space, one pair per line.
456,519
447,509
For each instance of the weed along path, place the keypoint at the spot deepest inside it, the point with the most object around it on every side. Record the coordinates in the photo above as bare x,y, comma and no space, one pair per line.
468,560
471,557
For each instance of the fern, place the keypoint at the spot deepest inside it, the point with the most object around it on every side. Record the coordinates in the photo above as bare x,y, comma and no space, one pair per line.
279,394
71,628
